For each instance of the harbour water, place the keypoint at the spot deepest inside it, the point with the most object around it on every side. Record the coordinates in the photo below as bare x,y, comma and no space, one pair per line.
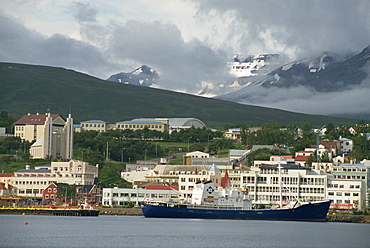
137,231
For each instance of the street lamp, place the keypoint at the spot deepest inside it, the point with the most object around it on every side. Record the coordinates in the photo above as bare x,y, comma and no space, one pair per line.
188,142
156,149
169,154
145,154
122,154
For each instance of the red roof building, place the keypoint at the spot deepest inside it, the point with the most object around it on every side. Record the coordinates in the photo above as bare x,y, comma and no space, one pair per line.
30,127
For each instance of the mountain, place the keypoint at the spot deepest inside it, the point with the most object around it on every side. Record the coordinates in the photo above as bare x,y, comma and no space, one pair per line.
144,76
243,72
31,88
326,78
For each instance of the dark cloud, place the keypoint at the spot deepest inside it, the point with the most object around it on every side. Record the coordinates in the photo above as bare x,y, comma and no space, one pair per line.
182,65
22,45
353,102
294,29
302,28
84,12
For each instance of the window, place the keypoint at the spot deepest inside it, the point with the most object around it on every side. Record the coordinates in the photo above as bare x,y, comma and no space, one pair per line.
331,193
339,193
49,189
347,194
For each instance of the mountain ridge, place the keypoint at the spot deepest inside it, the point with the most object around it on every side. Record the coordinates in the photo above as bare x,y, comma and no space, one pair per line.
32,88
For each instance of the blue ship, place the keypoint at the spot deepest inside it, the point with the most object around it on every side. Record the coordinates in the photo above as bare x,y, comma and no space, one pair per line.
209,203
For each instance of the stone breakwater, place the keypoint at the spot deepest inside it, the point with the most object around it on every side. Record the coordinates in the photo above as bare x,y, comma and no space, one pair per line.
121,211
330,218
348,218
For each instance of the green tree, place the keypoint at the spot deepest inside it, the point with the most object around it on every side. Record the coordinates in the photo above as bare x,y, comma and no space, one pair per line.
7,120
66,192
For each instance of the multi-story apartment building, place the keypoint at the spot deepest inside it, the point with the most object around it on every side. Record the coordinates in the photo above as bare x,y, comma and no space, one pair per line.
347,194
298,182
353,172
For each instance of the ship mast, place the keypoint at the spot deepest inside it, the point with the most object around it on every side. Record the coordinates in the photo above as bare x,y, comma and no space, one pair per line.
280,186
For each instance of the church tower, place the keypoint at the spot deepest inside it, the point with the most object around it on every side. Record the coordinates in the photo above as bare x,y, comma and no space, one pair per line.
56,140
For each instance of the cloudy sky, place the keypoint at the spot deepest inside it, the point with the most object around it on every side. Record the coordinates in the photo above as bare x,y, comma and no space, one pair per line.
188,42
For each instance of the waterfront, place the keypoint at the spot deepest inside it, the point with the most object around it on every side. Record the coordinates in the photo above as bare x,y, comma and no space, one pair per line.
137,231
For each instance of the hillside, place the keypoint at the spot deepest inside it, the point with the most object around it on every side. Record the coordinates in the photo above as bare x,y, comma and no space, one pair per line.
30,89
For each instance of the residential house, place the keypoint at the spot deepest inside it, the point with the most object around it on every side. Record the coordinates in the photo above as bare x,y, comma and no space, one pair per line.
49,194
89,193
346,145
233,133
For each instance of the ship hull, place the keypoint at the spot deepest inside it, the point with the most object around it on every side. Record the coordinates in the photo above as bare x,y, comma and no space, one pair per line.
308,212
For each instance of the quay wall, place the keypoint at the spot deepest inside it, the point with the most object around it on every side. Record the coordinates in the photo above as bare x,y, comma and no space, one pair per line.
330,218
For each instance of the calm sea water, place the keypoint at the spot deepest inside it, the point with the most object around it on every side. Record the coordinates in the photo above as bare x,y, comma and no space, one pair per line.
137,231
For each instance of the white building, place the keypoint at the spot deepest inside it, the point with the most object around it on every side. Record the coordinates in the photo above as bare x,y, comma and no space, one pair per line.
197,154
347,194
233,133
74,172
298,183
31,182
175,124
54,141
125,196
353,172
346,145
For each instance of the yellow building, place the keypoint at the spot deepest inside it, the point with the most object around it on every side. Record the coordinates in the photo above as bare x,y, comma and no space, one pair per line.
53,135
94,125
30,127
141,124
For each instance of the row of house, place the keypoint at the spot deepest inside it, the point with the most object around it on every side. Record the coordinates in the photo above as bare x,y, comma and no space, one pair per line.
347,185
39,184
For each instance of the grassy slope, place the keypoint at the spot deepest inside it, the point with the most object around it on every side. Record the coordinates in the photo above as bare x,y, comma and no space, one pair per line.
30,88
